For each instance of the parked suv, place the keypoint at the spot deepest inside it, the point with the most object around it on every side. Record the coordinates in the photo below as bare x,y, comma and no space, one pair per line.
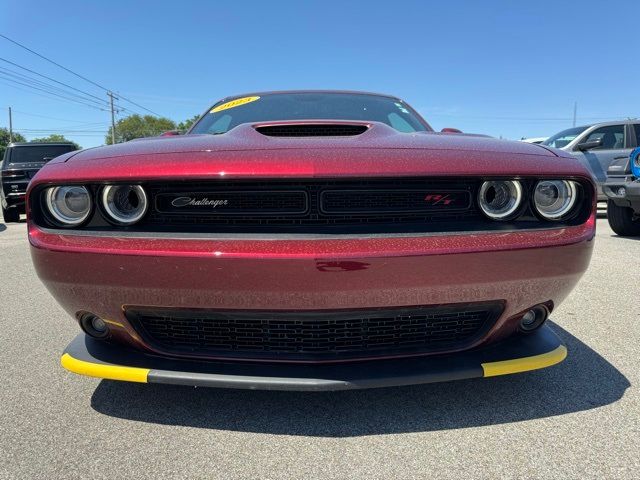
20,163
598,145
623,190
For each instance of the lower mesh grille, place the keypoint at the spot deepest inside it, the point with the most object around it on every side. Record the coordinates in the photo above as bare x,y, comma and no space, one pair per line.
315,336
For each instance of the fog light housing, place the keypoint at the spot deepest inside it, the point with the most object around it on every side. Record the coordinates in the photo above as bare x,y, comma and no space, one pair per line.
534,318
94,326
621,192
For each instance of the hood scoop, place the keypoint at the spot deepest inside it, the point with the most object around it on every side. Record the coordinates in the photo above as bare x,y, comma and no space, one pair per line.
312,129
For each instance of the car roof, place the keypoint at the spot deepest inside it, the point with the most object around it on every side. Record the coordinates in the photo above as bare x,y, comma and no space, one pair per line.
279,92
611,122
329,91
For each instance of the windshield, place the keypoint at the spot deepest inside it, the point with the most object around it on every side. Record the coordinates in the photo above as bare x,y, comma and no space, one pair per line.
564,138
309,106
37,153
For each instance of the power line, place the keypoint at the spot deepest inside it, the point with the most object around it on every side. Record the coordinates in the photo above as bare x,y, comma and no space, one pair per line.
30,81
51,93
48,117
523,119
137,105
53,80
74,73
93,135
88,125
55,130
73,127
19,78
42,94
54,63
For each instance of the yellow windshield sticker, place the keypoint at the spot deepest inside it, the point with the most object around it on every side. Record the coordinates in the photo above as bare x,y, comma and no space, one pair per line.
234,103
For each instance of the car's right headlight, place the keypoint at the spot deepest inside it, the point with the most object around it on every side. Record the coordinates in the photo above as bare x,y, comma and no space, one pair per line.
554,199
68,205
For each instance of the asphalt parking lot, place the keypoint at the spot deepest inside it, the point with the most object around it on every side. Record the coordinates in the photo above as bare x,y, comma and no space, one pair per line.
580,419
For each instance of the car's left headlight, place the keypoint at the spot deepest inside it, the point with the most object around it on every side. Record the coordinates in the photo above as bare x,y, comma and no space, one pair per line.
68,205
554,199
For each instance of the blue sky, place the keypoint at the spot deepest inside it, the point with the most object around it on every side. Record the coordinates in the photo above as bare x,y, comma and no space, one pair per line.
503,68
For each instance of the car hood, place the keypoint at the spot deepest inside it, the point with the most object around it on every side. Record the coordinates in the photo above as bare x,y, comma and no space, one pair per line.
245,153
246,138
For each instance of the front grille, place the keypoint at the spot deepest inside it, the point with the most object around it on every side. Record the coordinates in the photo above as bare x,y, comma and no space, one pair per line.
234,202
366,206
315,336
314,206
312,130
393,201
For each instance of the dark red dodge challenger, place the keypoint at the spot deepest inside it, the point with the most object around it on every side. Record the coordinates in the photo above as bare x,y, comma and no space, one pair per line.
311,240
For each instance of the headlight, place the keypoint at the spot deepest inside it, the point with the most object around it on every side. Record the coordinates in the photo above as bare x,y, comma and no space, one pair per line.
553,199
68,205
124,204
499,199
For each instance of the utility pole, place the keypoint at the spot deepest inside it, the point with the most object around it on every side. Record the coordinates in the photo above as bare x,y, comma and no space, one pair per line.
113,119
575,111
10,127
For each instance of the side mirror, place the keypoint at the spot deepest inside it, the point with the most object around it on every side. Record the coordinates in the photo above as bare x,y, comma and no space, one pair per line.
584,146
171,133
450,130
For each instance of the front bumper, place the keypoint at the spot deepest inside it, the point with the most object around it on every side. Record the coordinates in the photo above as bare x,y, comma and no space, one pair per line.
630,197
540,349
109,275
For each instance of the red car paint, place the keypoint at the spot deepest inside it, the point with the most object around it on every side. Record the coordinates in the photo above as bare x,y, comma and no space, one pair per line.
107,274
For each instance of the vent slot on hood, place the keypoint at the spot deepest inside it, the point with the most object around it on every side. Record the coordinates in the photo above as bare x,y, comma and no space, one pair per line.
312,130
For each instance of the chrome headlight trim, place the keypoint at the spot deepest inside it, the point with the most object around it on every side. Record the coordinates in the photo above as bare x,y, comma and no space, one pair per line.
112,212
567,206
54,208
515,191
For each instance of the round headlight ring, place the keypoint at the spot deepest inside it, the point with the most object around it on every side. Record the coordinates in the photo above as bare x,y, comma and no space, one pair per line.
500,199
68,205
124,204
566,193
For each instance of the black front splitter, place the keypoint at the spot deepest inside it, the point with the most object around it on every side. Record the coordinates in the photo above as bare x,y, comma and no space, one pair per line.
539,349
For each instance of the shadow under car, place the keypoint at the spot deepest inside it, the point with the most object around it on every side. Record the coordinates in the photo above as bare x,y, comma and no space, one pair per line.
585,380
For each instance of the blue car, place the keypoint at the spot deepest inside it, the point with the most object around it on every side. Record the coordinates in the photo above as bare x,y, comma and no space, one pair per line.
622,189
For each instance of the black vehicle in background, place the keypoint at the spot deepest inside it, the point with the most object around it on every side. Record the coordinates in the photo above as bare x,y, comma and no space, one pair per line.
20,163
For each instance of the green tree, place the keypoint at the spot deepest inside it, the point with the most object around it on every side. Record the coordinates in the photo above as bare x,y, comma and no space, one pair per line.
186,124
4,140
55,137
137,126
